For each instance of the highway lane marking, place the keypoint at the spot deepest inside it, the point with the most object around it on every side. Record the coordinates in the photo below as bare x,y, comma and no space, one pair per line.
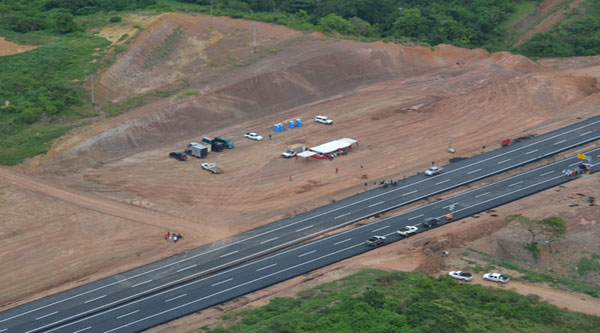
141,283
128,314
271,265
234,287
269,240
517,183
93,299
221,282
48,315
337,217
376,204
387,226
174,298
307,253
559,142
407,193
230,253
454,204
81,330
244,265
302,220
186,268
546,173
531,152
310,226
6,329
415,217
443,181
343,241
470,172
506,160
252,263
586,133
483,194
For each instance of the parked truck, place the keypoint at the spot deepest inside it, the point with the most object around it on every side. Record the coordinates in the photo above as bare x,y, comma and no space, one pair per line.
212,167
293,151
225,140
197,150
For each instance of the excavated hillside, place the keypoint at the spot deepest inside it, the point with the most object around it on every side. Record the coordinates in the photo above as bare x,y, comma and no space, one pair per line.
110,192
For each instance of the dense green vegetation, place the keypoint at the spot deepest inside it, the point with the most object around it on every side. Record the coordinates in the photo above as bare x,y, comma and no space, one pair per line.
378,301
578,35
42,94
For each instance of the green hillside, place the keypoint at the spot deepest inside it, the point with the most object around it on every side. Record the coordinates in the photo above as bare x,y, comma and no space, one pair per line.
378,301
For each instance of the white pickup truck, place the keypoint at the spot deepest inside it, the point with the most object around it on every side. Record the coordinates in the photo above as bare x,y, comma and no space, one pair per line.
293,151
212,167
323,120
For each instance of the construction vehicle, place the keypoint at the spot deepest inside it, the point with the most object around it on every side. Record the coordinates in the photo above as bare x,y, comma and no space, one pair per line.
293,151
212,167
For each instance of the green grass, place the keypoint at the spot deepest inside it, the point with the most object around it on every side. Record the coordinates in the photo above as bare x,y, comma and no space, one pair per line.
162,52
187,93
44,91
521,10
378,301
586,264
115,109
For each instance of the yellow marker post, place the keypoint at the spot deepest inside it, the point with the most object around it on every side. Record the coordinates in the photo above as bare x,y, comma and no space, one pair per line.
581,156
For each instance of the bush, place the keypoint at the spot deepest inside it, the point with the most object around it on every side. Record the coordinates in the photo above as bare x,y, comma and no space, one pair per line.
114,19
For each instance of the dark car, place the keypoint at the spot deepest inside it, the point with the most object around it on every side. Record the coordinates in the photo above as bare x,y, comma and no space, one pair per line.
179,156
431,222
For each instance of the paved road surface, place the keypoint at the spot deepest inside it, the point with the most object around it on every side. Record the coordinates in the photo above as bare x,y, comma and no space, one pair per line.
189,297
153,278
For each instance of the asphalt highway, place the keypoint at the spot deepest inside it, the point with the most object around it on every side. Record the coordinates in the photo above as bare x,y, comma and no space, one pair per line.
160,276
186,298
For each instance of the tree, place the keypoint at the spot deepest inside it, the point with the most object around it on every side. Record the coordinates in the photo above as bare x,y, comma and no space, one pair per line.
554,229
336,23
532,226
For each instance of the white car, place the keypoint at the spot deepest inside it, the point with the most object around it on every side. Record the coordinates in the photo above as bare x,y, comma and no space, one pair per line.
496,277
460,275
323,120
410,229
434,170
375,240
253,136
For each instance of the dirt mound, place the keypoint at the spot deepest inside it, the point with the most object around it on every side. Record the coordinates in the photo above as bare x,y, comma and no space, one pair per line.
10,48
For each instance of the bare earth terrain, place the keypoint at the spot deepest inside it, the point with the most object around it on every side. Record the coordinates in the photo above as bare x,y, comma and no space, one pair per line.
9,48
101,200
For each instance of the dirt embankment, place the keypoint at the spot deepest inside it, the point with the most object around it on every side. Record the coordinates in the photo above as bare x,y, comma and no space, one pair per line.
402,104
10,48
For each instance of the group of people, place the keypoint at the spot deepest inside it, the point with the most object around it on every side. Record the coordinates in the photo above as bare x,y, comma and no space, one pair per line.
172,237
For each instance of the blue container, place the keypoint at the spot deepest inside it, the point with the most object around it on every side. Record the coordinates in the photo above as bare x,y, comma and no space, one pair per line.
280,127
276,128
298,122
291,124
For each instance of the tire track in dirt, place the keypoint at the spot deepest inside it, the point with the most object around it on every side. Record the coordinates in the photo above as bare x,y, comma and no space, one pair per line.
86,201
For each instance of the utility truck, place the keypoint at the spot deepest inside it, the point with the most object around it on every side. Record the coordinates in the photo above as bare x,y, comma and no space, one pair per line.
293,151
212,167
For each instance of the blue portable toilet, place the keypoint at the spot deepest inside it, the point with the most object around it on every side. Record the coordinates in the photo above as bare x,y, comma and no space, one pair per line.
276,128
298,122
291,124
280,127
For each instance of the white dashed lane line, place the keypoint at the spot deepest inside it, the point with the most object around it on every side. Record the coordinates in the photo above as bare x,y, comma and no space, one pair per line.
310,226
443,181
504,161
531,152
470,172
186,268
586,133
141,283
482,194
128,314
343,241
48,315
387,226
415,217
307,253
517,183
559,142
337,217
269,240
230,253
221,282
376,204
407,193
262,268
546,173
81,330
174,298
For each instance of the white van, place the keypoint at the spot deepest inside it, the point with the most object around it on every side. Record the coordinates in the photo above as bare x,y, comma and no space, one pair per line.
323,120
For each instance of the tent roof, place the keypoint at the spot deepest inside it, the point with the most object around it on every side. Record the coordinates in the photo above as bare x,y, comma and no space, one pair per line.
306,154
330,147
348,140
